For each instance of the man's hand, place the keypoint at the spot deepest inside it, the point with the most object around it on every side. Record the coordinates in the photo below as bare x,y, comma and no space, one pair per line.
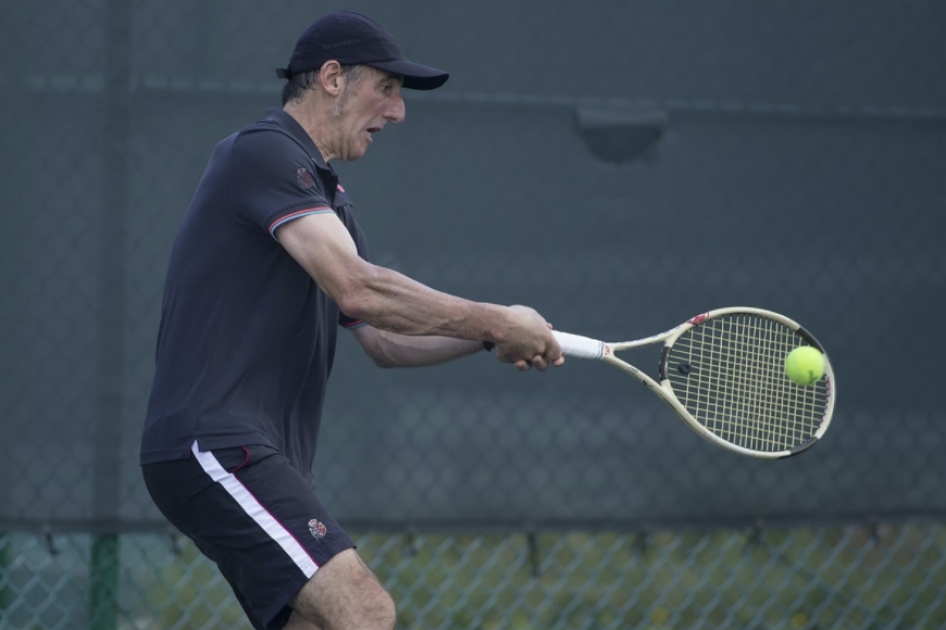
529,341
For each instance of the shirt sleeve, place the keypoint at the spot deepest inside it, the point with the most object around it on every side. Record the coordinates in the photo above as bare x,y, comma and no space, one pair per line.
274,180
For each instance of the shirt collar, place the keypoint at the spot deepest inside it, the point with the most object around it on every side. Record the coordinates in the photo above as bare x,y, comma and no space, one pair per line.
291,125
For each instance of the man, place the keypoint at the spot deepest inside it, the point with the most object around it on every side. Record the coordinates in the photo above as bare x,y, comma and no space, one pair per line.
269,260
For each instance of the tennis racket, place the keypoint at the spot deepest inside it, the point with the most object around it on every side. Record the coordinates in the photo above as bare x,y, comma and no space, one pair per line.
723,372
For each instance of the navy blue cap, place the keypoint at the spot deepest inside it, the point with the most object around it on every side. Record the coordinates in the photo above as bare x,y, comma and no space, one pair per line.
352,39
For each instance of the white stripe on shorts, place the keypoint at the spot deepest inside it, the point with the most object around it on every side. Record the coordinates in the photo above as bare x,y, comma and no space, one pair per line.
257,512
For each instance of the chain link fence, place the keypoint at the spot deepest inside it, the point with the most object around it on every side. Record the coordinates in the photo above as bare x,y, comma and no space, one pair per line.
878,576
620,169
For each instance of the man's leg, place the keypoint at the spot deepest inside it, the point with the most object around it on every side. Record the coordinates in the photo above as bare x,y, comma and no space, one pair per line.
260,521
343,594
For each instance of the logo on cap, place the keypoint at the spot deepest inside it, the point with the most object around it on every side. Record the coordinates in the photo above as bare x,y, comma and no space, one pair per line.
347,42
317,529
304,179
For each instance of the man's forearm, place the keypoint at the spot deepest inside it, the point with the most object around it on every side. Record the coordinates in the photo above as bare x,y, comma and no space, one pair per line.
391,301
396,350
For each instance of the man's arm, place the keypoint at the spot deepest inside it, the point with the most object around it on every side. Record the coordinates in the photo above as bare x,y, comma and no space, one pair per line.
389,349
391,301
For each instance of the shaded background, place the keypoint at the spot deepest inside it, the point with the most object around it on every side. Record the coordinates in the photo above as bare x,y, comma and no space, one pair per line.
781,155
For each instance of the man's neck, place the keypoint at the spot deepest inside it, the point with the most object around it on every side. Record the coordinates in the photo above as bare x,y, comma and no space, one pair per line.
315,123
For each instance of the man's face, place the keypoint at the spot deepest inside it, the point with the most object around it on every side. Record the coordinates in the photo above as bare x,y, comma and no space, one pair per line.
364,108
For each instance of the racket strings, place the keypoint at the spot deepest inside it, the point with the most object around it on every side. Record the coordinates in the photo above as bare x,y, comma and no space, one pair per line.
736,386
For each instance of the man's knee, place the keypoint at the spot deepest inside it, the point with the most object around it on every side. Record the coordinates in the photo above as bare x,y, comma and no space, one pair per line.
345,594
371,606
380,611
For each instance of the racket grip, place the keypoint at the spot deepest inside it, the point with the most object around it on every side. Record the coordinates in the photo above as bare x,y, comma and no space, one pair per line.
578,346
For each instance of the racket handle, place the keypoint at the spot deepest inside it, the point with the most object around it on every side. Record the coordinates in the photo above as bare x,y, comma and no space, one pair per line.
578,346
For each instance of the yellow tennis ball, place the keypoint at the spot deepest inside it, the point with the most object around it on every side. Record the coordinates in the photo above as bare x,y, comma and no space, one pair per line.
804,365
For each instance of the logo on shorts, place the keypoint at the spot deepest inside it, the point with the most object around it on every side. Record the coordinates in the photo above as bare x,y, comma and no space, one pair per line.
304,179
317,529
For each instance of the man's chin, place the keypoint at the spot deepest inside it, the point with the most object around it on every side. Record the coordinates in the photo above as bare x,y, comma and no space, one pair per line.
355,154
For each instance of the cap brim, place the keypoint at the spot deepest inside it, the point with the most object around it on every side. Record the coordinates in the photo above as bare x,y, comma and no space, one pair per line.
416,76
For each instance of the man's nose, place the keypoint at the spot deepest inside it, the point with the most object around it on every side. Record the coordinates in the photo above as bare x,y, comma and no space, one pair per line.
396,111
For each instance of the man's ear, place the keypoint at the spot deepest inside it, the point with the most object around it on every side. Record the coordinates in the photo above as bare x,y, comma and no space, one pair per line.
331,77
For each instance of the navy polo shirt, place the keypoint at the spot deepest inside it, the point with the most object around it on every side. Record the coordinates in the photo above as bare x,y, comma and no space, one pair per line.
247,338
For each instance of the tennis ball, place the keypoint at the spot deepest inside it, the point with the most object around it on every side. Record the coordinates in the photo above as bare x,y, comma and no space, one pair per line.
804,365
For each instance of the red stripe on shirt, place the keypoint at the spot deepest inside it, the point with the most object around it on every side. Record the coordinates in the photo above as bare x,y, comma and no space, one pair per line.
296,214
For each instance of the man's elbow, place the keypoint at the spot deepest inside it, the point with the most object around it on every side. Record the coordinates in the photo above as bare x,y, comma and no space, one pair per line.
383,361
356,303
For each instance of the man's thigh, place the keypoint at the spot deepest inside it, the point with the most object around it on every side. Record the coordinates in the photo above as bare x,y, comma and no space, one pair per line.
256,517
344,593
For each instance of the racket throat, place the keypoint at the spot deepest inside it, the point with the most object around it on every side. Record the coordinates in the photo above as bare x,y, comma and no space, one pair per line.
664,361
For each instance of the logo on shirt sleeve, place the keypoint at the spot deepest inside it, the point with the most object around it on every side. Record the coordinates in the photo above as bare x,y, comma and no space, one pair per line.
304,178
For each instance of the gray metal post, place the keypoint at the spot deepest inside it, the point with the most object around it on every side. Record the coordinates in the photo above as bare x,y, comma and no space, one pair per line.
5,592
108,429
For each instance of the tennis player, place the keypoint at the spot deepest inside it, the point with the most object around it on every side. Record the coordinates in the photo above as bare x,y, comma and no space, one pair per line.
268,262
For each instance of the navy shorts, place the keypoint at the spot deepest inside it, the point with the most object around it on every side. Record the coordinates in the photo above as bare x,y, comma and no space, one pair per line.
253,514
